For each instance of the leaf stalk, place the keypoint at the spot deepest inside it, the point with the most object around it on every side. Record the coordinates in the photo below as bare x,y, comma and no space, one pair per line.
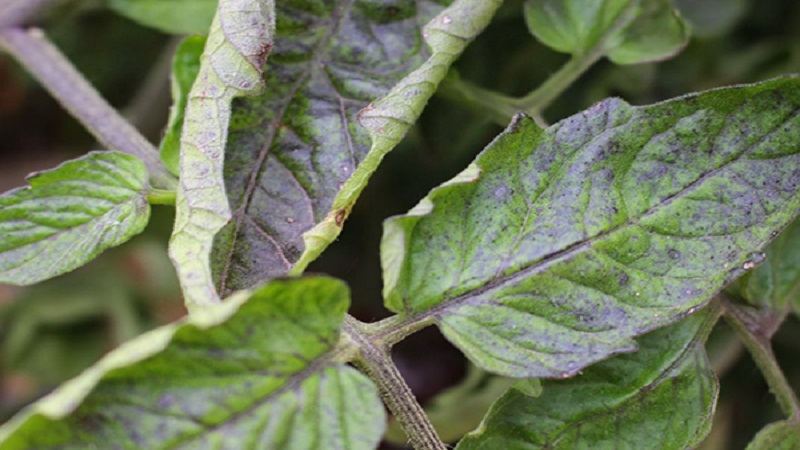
376,362
48,65
540,98
761,350
161,197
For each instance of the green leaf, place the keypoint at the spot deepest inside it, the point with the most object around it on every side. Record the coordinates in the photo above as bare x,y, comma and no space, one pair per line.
555,248
661,397
70,214
776,282
185,67
170,16
292,187
777,436
258,371
233,60
626,31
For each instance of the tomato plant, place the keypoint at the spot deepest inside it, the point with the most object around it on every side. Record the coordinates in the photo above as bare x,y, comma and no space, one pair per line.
579,266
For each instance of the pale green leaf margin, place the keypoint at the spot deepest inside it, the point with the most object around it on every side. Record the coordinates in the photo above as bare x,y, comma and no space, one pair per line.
783,435
239,41
389,118
71,394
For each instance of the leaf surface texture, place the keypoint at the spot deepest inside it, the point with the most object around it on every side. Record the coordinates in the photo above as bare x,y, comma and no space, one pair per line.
258,371
660,397
69,214
555,248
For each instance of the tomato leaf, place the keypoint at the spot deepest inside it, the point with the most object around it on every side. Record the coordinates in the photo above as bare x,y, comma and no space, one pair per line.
777,436
185,67
233,60
626,31
259,370
346,81
170,16
661,397
70,214
555,248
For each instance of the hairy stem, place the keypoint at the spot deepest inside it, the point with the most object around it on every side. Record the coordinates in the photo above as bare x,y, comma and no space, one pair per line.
759,347
377,363
394,329
19,12
47,64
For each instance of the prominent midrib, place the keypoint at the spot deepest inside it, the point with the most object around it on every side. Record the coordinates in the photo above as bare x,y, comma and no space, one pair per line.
577,248
241,210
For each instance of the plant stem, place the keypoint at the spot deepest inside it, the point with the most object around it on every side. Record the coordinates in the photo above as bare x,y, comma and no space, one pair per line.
539,99
500,108
497,107
161,197
759,347
46,63
377,363
18,12
393,329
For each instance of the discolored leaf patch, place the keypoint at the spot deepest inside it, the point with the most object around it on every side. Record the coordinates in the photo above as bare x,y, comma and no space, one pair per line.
258,371
660,397
346,80
557,247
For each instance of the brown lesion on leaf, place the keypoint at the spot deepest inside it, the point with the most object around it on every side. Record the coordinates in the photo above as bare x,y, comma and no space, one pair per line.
365,110
339,216
264,49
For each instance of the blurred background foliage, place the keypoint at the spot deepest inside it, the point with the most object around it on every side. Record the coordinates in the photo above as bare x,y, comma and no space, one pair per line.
50,332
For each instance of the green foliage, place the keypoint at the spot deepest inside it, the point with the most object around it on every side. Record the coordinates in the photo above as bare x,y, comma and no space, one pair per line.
778,436
185,66
605,226
660,397
235,52
579,267
776,283
171,16
626,31
214,378
353,96
70,214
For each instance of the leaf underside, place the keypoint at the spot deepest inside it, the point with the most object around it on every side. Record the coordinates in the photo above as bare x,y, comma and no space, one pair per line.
557,247
660,397
238,44
252,373
298,157
70,214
